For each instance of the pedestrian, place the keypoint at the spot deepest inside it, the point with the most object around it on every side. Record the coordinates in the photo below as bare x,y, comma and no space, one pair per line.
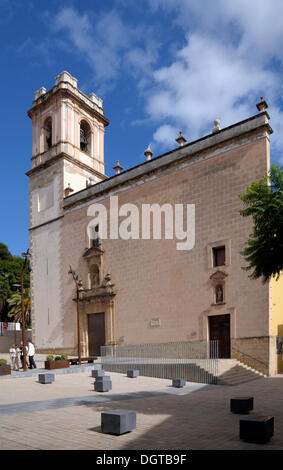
17,360
30,353
14,357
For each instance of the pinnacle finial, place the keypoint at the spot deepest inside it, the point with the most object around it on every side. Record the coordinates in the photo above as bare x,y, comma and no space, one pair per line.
117,167
148,153
181,139
262,105
216,125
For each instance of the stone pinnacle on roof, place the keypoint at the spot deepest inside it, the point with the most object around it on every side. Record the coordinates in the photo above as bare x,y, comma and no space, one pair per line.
68,190
262,105
117,167
216,125
181,139
148,153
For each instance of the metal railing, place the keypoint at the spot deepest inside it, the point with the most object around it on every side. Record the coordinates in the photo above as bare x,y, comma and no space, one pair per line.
196,361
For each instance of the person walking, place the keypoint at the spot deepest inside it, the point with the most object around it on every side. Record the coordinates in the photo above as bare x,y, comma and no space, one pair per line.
14,357
17,359
31,353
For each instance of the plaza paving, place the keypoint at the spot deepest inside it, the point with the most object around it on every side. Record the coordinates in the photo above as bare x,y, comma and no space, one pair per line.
67,413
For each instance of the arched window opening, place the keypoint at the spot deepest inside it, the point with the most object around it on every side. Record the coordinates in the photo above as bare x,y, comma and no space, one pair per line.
47,132
85,137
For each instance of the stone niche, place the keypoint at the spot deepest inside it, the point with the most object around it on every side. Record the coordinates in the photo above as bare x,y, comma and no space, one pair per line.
217,280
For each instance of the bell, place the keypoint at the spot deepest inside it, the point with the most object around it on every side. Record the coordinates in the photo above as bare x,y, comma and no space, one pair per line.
83,140
49,141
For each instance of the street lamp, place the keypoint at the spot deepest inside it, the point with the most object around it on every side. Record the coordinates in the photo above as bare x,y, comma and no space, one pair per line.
79,288
16,286
26,256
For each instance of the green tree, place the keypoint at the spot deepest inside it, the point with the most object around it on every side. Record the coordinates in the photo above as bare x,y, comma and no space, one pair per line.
15,307
10,275
264,203
4,252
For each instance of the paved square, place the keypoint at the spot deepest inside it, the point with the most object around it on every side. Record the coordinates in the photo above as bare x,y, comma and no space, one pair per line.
67,414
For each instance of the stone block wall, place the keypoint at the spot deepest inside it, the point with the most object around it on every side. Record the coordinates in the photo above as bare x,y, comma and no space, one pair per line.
256,352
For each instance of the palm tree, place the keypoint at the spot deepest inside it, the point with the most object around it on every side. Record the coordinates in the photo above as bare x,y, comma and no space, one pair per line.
15,307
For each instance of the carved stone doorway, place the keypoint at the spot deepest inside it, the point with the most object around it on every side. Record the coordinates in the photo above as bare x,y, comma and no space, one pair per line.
96,333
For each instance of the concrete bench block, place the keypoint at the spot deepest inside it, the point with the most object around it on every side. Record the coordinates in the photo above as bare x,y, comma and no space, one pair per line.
46,378
118,421
97,373
103,384
178,383
133,373
241,405
103,378
257,429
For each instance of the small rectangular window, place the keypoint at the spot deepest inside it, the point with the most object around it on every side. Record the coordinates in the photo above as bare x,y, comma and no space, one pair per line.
218,256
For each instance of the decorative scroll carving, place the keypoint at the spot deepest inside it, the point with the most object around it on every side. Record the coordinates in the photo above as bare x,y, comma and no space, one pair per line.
218,277
103,293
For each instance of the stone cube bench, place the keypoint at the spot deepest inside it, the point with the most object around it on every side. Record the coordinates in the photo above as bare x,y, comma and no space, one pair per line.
103,384
178,383
257,429
97,373
118,421
46,378
133,373
241,405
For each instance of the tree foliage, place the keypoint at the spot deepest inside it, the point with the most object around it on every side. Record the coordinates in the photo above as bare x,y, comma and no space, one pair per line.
5,253
264,203
10,274
15,307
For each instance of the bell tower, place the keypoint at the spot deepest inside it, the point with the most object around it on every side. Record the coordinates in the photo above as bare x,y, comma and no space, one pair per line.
67,156
69,126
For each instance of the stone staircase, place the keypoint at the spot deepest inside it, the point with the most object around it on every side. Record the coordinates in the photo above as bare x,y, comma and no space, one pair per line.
233,372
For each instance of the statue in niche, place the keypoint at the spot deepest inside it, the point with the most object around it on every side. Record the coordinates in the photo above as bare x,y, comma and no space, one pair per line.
219,294
94,276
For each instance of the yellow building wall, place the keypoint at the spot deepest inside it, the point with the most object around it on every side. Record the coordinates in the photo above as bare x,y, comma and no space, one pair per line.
276,324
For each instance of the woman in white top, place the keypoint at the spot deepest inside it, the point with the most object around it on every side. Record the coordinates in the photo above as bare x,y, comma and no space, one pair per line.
14,357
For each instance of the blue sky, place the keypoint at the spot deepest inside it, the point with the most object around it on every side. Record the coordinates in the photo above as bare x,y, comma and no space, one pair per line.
159,66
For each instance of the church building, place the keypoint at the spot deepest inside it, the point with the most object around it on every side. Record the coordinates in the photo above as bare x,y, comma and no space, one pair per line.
143,290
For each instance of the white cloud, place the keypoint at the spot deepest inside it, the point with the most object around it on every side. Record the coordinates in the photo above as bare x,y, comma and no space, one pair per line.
99,43
224,68
207,81
232,54
107,43
165,136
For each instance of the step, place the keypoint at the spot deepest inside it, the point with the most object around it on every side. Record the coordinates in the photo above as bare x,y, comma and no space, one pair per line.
233,372
238,375
237,381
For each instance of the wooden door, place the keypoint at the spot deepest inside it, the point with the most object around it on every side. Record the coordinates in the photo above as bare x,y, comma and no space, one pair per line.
96,333
219,329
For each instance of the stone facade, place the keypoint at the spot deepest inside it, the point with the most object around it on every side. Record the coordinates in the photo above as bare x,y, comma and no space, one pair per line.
148,291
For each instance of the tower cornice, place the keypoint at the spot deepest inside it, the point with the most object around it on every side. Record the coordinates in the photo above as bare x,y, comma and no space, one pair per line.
63,89
64,156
